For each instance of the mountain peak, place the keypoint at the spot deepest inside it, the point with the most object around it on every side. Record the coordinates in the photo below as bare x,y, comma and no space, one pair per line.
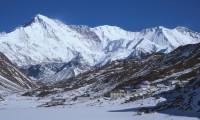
41,17
38,19
159,28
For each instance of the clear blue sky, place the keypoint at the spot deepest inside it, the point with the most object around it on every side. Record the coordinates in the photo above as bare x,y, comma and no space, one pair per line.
133,15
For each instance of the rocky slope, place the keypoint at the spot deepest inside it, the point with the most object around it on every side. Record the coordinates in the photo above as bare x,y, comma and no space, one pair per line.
182,99
11,78
182,65
48,72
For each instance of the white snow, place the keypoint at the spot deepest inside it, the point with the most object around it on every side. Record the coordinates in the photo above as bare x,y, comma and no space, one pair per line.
24,108
45,40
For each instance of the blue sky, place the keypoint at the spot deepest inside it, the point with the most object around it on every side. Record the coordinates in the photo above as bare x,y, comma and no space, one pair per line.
133,15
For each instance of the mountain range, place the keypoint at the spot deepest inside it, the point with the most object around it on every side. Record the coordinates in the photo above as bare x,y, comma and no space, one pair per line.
182,64
49,50
53,60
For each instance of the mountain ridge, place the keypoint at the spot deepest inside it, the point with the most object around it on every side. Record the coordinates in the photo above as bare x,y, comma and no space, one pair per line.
44,40
11,78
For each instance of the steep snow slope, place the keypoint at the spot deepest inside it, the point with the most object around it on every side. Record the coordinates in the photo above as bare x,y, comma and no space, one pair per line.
11,78
46,41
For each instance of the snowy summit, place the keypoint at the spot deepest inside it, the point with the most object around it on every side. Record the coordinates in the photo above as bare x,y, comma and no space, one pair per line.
47,40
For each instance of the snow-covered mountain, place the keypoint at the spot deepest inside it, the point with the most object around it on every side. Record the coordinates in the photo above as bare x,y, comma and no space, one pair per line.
11,78
182,64
47,41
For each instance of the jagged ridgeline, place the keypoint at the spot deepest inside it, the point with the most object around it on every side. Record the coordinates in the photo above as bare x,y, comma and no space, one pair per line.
47,49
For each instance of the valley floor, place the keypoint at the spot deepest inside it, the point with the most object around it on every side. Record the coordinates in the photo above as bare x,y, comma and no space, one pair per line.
15,107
